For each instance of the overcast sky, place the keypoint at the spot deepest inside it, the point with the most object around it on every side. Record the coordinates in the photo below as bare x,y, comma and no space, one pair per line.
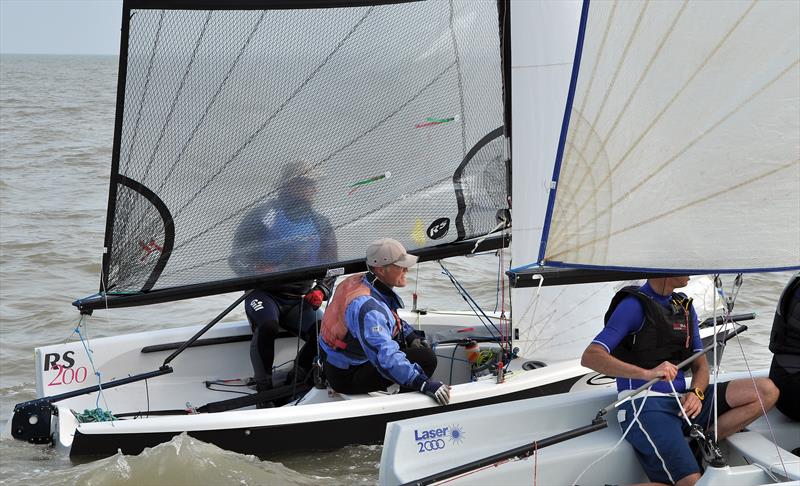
60,26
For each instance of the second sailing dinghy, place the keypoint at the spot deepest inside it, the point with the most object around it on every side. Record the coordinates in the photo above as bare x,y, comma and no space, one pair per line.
395,116
678,151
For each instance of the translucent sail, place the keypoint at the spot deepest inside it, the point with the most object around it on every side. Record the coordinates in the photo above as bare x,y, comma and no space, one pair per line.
683,144
255,142
553,323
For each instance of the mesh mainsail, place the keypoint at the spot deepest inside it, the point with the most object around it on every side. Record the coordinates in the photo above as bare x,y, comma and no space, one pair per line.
683,145
255,142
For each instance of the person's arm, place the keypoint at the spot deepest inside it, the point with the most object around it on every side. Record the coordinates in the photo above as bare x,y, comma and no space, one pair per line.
691,401
597,358
626,319
372,324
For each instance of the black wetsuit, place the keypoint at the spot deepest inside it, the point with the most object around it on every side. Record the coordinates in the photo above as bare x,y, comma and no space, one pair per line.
784,342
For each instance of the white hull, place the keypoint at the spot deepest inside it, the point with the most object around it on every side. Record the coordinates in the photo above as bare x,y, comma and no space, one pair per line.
334,419
751,455
155,409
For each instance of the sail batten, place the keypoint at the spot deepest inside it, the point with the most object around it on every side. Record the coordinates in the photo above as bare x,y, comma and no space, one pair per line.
682,141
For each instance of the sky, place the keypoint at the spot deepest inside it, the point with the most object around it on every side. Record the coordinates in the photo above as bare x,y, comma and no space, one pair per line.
60,26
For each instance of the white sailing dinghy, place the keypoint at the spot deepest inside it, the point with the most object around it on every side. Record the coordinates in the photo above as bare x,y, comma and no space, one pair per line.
400,108
678,151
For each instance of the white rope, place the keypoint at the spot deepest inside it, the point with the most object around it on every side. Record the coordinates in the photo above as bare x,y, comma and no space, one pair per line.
499,226
768,472
680,405
763,409
624,434
728,309
650,440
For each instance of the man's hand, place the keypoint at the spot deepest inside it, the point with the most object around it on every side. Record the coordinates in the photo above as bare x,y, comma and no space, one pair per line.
418,343
692,404
666,371
314,298
436,390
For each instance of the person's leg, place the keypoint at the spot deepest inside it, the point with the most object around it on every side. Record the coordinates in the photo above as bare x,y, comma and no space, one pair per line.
262,312
745,401
789,386
659,442
366,379
357,379
302,320
425,357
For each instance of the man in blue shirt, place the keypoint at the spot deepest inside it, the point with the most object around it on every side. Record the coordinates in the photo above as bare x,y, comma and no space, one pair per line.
283,233
648,331
365,345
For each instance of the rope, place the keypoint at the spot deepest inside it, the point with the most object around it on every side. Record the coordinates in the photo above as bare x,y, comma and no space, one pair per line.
635,420
471,302
730,301
89,353
297,350
414,297
96,415
763,409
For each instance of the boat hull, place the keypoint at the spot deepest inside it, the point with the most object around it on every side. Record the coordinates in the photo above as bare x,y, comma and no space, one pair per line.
319,434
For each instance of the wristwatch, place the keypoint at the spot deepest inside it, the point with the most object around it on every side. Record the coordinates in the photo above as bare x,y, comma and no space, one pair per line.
699,394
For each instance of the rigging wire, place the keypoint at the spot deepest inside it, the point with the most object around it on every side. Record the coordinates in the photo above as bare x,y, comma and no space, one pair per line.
635,420
471,303
296,368
729,303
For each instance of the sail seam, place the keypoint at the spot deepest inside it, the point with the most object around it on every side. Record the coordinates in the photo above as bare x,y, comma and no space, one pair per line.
564,129
274,114
162,132
213,100
625,106
127,200
460,83
639,185
684,206
333,154
669,104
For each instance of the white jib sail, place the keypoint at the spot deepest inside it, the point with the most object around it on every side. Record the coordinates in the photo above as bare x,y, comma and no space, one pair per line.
683,148
557,322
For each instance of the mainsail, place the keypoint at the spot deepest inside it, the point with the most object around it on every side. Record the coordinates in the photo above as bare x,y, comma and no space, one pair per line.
392,111
680,144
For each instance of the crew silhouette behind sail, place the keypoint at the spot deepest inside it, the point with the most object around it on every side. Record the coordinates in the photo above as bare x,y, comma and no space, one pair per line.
280,234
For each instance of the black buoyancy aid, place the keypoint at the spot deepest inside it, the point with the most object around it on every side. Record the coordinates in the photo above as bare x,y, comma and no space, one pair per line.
785,335
666,334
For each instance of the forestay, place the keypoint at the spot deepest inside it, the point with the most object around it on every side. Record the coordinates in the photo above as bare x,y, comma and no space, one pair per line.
393,112
681,142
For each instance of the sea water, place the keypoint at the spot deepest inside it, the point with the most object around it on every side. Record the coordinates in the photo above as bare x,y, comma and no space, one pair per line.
56,129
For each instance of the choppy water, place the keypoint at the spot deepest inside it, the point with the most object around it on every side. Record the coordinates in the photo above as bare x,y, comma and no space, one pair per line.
56,128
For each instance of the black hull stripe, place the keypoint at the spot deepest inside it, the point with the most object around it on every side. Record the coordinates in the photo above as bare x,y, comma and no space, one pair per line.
297,437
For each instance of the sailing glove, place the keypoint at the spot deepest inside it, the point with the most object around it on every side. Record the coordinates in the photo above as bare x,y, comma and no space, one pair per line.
417,340
314,298
418,343
436,390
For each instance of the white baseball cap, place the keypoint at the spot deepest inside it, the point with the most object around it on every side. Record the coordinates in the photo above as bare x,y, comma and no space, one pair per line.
386,251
